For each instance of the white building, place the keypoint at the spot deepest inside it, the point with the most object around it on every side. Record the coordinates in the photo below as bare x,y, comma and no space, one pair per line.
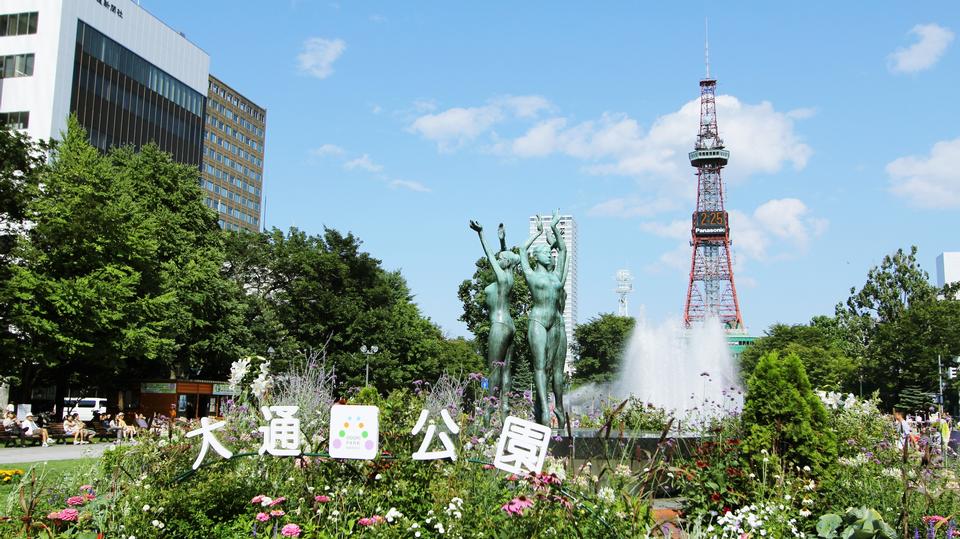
568,228
948,268
130,78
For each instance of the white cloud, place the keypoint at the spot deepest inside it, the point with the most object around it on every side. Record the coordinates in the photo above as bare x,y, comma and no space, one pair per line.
455,126
760,139
931,181
363,162
411,185
777,229
932,41
319,54
327,150
678,230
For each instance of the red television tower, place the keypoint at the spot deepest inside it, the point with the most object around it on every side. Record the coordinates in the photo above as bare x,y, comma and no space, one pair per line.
711,292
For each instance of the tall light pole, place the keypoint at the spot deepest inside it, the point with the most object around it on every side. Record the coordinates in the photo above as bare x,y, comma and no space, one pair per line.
368,351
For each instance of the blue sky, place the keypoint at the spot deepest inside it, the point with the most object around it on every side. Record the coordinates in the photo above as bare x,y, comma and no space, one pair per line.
400,122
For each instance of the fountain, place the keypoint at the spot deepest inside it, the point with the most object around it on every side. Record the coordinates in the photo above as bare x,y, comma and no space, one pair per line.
689,372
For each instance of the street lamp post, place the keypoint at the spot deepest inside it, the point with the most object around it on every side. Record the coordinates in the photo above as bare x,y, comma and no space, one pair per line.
368,351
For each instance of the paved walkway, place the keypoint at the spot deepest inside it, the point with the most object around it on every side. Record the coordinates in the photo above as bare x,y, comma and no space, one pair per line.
54,452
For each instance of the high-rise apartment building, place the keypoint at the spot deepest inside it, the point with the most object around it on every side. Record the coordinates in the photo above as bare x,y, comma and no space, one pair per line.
948,268
568,229
129,78
233,157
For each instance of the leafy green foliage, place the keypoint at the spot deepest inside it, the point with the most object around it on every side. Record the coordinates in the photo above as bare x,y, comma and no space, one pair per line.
323,292
861,523
893,353
598,347
784,417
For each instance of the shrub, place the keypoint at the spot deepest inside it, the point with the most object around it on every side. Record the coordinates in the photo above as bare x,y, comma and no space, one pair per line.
782,415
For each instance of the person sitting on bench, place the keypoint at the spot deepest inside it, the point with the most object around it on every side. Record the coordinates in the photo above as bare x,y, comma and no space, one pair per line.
31,429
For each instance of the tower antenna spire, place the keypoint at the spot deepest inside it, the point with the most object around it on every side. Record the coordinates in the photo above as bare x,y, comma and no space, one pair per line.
706,44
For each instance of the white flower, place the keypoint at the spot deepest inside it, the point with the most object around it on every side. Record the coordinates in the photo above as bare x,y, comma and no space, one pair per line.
18,173
806,468
606,494
393,514
804,513
238,369
146,508
155,523
376,477
265,501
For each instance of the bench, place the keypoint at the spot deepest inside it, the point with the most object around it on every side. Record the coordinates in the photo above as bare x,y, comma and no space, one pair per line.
55,433
102,432
9,437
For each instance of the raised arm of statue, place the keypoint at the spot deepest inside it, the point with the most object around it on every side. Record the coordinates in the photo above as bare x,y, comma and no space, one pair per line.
560,246
491,256
503,237
524,254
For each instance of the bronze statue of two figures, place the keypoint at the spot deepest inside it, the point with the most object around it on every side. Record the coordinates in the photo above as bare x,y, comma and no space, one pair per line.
546,333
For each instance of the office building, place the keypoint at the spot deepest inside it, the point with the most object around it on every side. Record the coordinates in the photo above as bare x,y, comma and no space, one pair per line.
568,229
948,268
129,78
233,157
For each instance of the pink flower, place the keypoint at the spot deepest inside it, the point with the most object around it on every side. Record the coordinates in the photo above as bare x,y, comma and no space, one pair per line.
257,499
290,530
488,466
86,487
322,498
370,521
75,501
54,515
278,501
517,505
262,517
69,515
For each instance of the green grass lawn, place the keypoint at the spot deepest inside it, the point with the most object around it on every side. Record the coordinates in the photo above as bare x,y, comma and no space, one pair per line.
53,469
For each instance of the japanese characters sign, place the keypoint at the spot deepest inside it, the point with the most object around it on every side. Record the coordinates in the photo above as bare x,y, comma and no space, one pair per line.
522,446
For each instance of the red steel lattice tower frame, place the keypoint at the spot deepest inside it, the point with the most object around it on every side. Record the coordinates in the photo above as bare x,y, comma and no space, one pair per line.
711,292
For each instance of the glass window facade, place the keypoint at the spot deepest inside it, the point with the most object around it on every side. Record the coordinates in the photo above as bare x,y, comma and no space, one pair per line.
16,65
16,120
18,24
120,98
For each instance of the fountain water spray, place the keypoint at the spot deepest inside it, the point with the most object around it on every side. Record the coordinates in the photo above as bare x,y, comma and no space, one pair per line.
689,372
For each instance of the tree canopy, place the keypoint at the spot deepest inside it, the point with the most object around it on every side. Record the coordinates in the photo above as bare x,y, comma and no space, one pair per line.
598,347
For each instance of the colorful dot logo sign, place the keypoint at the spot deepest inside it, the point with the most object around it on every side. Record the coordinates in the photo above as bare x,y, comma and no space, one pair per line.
354,432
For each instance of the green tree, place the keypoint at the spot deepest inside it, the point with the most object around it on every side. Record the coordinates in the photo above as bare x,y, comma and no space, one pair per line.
873,321
784,416
22,161
78,295
323,292
818,345
476,316
598,347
